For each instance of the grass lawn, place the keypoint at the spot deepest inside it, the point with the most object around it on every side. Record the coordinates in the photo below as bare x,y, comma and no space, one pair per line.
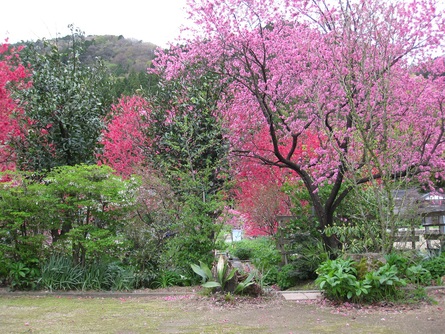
196,314
108,315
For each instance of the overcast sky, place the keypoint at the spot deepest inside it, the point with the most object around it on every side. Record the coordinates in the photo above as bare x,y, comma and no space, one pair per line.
155,21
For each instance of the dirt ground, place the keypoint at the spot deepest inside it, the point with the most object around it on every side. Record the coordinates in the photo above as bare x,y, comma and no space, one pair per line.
276,315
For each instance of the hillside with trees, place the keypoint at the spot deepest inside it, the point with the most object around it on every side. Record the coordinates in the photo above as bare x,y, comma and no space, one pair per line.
125,59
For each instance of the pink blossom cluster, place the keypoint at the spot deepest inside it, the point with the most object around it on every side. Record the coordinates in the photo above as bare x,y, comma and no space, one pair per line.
364,77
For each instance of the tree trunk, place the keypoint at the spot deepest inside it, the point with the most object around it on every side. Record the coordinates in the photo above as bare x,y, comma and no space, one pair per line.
331,242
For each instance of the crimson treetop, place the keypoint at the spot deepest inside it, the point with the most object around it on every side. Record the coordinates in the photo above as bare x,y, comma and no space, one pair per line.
347,71
123,140
12,73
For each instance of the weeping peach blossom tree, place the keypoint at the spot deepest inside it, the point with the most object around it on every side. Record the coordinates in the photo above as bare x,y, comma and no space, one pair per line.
352,72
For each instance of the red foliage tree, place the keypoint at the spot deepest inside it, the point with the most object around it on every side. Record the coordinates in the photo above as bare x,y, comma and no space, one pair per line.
259,196
12,73
124,140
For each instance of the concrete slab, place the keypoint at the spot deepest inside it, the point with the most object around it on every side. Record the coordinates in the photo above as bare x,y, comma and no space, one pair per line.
301,295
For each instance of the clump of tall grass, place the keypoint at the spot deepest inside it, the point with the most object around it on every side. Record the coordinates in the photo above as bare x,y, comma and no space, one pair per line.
60,273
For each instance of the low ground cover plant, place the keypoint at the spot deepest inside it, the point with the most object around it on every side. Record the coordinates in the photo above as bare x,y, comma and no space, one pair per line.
344,279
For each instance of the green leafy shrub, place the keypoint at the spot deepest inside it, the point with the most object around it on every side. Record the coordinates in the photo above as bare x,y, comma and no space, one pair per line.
23,276
95,277
310,255
411,268
219,278
270,277
203,271
338,279
364,266
76,210
191,244
223,275
4,265
107,276
144,278
417,274
436,266
401,261
383,283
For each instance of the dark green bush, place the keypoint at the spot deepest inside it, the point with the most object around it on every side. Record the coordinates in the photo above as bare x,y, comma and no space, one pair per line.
287,277
306,253
270,277
412,268
310,255
365,265
409,267
118,277
243,253
145,278
264,252
95,277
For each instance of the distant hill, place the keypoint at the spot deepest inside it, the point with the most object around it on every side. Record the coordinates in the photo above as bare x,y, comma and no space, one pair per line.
121,55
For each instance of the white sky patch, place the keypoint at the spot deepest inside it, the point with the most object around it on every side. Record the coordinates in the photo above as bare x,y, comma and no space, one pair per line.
155,21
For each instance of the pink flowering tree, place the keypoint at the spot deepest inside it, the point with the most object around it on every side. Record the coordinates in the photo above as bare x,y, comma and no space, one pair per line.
349,72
